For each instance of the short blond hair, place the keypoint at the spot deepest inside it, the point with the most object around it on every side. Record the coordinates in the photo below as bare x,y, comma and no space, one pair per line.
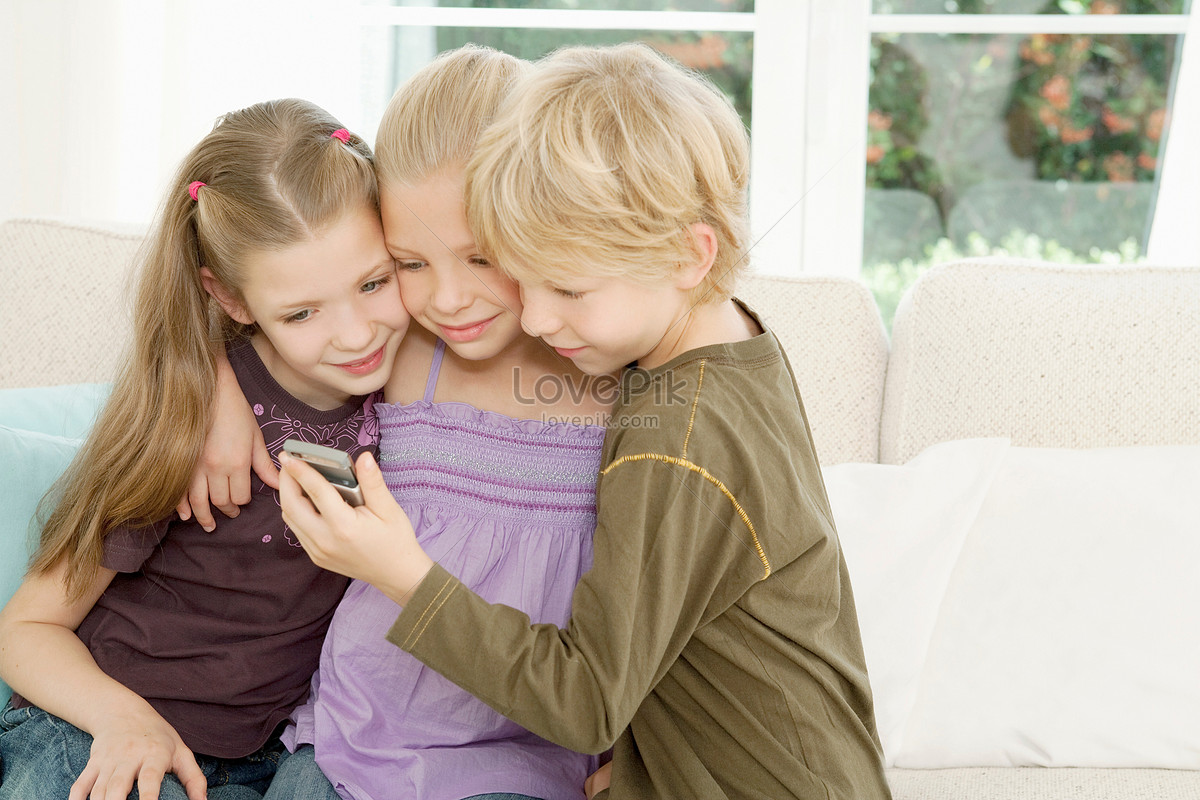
434,119
601,161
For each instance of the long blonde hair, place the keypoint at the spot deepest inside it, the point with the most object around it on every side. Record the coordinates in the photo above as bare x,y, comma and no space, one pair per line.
273,176
434,120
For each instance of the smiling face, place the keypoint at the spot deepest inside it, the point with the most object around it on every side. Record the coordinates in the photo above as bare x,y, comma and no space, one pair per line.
604,324
328,314
447,285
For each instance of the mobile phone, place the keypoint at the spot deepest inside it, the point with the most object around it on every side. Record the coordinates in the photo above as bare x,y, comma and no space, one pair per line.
334,464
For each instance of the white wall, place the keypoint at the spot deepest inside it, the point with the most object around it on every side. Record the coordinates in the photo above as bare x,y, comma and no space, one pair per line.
103,97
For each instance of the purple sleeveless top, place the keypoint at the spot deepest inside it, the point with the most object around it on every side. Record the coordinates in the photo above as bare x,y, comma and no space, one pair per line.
506,505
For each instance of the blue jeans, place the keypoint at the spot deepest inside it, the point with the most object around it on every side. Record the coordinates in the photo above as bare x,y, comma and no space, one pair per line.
42,755
299,778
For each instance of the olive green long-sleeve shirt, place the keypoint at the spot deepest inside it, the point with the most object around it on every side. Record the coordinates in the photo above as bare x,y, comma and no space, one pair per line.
714,640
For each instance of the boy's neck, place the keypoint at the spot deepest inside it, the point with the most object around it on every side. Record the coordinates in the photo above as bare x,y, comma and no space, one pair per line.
706,324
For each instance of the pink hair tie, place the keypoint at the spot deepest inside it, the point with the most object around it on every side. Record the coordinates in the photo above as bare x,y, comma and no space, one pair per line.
342,135
194,187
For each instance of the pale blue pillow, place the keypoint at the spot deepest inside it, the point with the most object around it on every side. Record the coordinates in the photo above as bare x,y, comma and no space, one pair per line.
67,410
30,462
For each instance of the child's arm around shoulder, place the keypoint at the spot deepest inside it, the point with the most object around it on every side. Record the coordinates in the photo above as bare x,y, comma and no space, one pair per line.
45,662
233,448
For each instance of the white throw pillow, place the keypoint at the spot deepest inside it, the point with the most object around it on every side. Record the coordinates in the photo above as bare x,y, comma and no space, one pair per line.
1070,631
901,529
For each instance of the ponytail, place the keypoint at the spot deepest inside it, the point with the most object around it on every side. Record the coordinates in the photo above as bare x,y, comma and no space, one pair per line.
266,178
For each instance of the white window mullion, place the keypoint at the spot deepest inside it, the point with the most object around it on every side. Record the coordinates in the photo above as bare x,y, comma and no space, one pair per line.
778,142
1174,234
570,19
1029,23
811,68
835,142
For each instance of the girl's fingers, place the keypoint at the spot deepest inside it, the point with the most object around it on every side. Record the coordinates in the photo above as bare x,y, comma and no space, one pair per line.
239,491
598,781
84,783
120,780
260,461
295,504
189,774
148,783
197,498
376,495
218,494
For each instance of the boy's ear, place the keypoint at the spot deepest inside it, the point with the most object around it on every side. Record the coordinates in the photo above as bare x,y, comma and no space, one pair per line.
225,298
704,249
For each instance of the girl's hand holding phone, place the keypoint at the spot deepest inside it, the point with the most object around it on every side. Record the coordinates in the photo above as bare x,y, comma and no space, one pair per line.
373,542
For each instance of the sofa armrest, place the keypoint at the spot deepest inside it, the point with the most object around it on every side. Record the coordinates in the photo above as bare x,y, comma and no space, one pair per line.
64,317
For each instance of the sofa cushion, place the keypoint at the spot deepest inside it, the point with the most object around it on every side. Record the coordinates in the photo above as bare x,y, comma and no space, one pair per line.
1033,783
30,462
901,530
1068,633
834,337
67,410
63,318
1045,355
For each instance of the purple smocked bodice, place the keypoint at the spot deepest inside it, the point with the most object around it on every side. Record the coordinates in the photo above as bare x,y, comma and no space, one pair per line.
508,506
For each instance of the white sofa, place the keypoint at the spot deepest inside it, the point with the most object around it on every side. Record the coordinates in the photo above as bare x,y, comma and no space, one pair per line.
1012,476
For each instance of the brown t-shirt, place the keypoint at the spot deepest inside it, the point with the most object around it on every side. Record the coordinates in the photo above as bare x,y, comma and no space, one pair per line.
715,639
221,632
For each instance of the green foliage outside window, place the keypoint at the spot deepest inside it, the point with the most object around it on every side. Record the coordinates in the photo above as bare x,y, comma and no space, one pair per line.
1072,109
1083,108
1091,108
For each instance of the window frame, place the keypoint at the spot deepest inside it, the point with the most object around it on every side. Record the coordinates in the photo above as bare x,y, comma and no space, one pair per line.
808,173
1171,193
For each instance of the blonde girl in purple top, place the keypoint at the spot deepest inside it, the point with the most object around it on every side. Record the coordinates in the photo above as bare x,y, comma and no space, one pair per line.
491,443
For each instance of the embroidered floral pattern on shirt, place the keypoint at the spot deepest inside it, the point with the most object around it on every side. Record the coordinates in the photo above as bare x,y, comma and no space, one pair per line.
360,429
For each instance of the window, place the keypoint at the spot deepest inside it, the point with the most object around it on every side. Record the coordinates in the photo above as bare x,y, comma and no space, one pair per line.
891,134
950,101
731,41
1037,133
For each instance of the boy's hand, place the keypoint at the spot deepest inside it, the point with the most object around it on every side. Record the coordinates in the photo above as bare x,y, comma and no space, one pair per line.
374,542
141,748
598,781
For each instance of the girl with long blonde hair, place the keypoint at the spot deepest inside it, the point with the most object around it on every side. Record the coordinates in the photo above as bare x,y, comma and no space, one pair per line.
141,648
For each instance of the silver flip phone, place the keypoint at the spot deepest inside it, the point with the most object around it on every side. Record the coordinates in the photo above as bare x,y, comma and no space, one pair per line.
334,464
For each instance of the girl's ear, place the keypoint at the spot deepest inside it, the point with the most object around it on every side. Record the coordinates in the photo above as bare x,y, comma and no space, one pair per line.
704,248
232,306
